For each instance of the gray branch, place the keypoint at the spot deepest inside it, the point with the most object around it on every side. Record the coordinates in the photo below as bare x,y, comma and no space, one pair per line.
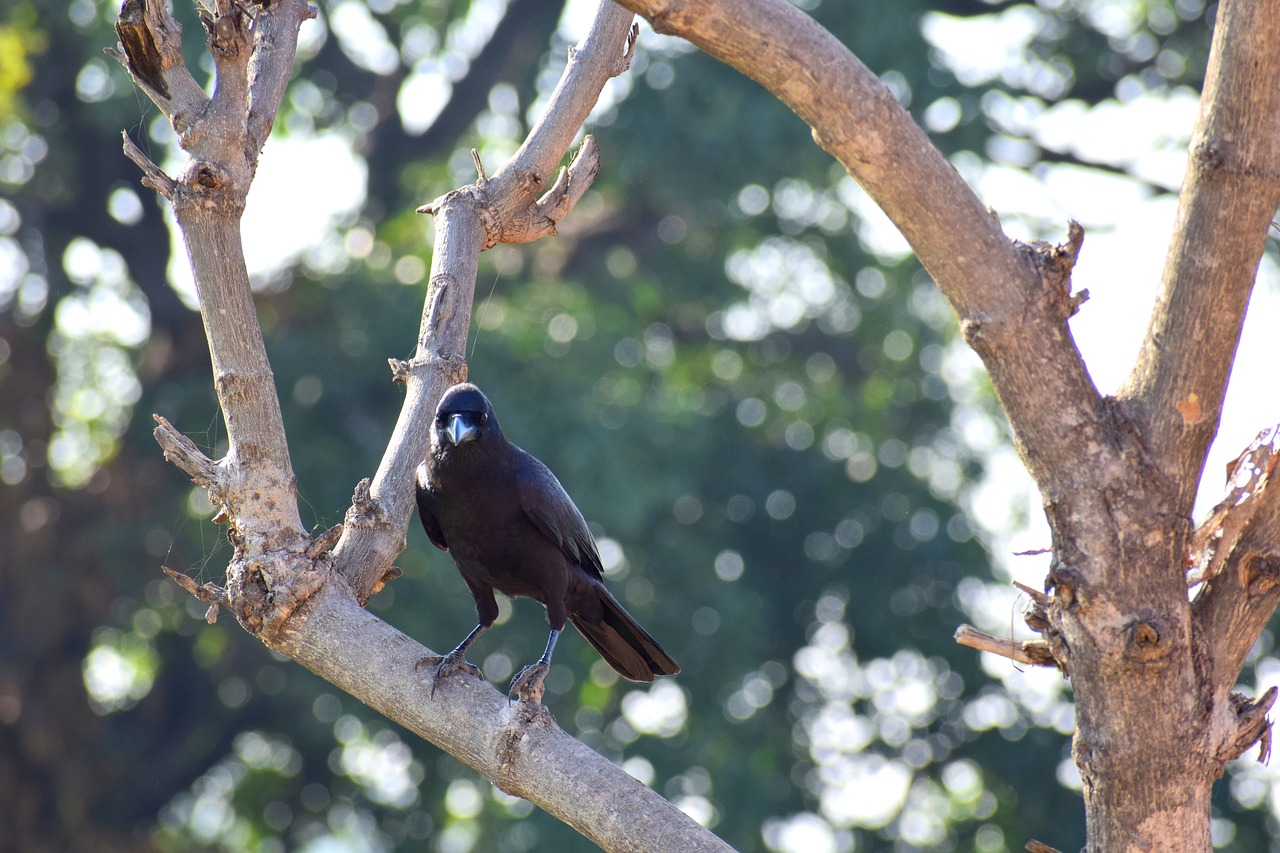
516,204
283,585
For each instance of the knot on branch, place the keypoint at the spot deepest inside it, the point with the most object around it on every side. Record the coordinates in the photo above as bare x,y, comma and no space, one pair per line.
1207,156
399,370
1053,264
324,543
1147,640
1252,726
522,718
1065,584
614,66
623,63
387,577
265,589
364,510
250,593
1259,574
229,30
441,308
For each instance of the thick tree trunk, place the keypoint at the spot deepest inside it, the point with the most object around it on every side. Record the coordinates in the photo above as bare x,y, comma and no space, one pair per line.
1152,670
1156,720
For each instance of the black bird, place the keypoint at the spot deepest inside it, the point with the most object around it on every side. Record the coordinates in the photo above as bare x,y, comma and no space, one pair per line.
511,527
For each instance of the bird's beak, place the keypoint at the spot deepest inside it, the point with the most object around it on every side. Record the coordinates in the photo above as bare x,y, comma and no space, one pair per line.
459,430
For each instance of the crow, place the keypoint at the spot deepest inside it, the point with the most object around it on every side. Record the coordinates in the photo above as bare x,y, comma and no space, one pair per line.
511,527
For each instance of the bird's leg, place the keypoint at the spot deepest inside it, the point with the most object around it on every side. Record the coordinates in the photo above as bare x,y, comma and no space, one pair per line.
454,661
527,685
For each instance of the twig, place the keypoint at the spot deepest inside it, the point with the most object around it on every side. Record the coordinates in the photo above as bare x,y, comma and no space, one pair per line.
1035,595
153,176
1034,652
211,593
1034,846
182,451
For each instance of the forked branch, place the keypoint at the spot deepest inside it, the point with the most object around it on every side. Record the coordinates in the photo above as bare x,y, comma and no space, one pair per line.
280,582
516,204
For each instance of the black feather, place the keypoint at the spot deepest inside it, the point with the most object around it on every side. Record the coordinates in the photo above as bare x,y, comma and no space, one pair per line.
511,527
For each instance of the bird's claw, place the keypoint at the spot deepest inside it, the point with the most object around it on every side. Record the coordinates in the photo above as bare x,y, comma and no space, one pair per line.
447,665
527,685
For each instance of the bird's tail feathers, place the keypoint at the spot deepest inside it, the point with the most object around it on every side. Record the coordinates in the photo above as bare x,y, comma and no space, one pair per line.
623,644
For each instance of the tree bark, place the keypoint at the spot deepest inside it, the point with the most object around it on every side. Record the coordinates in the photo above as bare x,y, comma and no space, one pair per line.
1152,669
1153,672
292,591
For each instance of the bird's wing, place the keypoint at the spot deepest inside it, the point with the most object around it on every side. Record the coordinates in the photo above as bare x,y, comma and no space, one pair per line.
552,511
426,508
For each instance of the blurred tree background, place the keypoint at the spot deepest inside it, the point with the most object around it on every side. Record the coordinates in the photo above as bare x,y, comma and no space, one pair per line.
750,388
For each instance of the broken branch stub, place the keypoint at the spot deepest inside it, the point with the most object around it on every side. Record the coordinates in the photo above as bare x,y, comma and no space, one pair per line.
1248,477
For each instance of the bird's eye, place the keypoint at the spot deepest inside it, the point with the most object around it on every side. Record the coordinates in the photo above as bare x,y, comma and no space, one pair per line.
484,419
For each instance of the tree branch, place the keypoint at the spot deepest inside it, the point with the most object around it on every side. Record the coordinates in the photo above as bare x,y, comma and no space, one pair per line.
1010,312
269,574
527,756
1117,476
1239,563
503,208
1229,197
1036,652
281,583
150,49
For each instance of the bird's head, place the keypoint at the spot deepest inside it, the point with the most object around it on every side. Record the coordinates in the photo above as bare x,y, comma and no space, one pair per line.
464,415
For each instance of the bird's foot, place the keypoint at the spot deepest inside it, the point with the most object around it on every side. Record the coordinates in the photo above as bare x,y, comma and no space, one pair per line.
448,664
527,685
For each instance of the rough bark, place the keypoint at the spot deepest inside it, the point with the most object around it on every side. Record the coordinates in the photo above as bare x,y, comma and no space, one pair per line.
300,595
518,204
1152,672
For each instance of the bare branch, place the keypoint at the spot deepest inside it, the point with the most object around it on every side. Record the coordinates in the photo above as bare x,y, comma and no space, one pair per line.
182,451
1034,652
1248,478
211,593
592,63
1229,196
1117,477
150,49
1034,846
1251,726
1232,608
269,70
528,757
153,177
1012,317
501,207
272,571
